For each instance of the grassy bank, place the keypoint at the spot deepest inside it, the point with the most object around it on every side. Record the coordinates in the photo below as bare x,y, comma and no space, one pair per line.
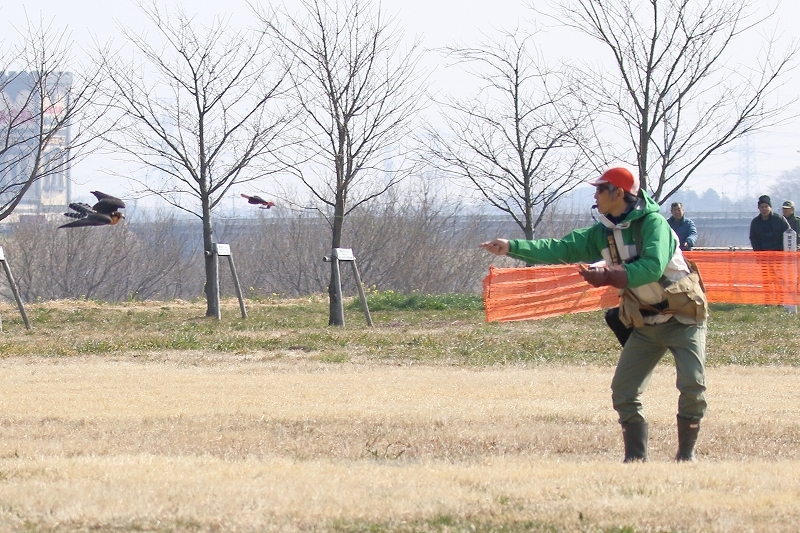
434,330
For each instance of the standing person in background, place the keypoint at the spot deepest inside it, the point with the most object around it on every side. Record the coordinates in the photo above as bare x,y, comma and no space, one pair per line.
683,227
766,234
791,218
661,299
766,230
794,223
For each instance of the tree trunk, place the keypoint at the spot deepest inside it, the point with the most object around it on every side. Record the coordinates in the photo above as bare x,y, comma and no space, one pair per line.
529,228
336,313
211,264
644,144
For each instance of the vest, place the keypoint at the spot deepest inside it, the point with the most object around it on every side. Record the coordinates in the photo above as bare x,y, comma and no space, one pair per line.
684,298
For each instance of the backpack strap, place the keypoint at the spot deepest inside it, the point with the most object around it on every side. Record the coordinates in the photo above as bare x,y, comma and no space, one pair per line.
613,249
636,226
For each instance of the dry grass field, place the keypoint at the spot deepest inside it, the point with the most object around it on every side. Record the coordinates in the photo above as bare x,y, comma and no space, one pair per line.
148,417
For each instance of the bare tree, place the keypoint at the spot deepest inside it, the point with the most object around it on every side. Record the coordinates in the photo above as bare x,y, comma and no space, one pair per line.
787,186
417,239
47,114
270,259
678,89
420,240
358,91
200,114
518,139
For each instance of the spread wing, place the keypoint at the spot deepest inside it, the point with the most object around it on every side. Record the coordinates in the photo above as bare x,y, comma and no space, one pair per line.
106,204
81,210
89,219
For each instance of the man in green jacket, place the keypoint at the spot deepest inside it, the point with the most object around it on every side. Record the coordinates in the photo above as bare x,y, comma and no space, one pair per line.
632,248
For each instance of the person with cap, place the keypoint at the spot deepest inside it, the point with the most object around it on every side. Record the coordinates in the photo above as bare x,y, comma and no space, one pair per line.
794,223
631,247
791,218
766,230
683,227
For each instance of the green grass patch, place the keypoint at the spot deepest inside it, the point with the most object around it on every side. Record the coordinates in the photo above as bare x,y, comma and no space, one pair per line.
404,332
334,358
396,301
446,523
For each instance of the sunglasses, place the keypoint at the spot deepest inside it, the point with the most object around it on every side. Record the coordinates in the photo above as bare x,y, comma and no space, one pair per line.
601,188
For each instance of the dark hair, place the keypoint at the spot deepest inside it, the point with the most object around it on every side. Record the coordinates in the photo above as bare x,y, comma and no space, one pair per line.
629,198
676,204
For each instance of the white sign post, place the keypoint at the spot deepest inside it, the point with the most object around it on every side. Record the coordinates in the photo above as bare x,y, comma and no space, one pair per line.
346,254
224,250
14,290
790,245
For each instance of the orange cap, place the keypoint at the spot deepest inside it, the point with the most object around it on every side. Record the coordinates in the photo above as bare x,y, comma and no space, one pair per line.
619,177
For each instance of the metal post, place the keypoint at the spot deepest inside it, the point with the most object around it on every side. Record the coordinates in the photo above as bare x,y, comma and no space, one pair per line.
361,294
14,290
237,286
336,280
790,245
346,254
224,250
216,288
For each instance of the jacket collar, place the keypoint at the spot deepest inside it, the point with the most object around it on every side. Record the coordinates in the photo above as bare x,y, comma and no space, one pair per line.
634,212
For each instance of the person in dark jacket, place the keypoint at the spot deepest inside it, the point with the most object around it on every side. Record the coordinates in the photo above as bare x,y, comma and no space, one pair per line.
766,230
683,227
791,218
794,223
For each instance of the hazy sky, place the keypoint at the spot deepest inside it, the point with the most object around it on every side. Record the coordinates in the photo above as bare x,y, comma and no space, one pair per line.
438,23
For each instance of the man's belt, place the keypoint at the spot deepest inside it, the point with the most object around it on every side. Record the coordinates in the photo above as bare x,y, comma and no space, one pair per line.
654,309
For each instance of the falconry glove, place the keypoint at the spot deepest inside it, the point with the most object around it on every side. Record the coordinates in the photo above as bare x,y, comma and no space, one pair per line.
615,275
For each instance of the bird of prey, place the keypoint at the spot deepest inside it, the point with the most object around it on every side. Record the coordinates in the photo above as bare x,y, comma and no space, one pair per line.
257,200
104,213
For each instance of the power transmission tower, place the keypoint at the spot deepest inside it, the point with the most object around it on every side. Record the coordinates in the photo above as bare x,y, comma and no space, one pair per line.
747,165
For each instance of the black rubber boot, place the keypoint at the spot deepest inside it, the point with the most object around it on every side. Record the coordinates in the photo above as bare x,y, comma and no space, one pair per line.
635,438
687,438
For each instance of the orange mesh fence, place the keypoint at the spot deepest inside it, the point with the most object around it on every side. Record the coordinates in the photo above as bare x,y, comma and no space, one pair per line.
729,276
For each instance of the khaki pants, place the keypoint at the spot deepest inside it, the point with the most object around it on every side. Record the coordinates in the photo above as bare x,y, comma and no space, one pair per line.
642,352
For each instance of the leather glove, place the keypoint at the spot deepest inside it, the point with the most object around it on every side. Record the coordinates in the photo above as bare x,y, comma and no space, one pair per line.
615,275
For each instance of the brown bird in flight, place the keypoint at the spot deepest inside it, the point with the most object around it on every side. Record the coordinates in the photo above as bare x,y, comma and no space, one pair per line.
104,213
257,200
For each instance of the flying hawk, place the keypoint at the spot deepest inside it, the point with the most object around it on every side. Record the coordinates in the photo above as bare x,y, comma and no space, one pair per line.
257,200
104,213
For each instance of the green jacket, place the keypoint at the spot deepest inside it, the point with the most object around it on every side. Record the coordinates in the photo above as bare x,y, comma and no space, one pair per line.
657,276
660,255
